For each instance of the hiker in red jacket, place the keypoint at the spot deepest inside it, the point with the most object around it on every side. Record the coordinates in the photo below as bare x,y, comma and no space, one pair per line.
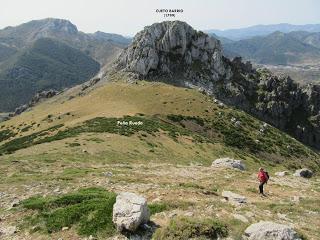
263,178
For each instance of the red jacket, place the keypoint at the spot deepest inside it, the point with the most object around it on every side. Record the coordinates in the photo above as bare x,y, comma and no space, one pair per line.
262,176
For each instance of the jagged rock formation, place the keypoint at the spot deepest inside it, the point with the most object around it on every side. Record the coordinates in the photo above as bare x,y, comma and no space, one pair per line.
35,99
171,48
176,53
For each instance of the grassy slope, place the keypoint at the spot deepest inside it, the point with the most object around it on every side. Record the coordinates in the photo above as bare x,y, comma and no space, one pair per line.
155,164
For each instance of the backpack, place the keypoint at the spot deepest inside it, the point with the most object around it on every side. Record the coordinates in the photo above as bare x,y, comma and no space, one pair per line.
267,175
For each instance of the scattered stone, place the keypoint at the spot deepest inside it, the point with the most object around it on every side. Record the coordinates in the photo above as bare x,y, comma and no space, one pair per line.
240,218
296,199
304,172
234,197
65,228
130,211
228,163
188,214
91,237
15,203
265,230
281,174
107,174
237,123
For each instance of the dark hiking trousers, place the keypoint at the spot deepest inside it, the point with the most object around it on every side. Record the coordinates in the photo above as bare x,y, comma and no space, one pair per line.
261,187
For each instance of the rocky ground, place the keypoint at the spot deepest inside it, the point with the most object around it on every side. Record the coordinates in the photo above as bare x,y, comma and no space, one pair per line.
187,190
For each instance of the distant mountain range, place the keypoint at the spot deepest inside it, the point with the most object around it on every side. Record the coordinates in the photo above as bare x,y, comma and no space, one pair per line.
277,48
263,30
50,53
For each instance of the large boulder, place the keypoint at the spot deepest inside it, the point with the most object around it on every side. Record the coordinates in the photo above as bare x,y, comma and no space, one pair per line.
228,163
265,230
304,172
234,197
130,211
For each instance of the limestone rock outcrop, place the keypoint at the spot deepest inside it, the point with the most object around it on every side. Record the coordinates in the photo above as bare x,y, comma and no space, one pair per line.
176,53
173,48
228,163
35,99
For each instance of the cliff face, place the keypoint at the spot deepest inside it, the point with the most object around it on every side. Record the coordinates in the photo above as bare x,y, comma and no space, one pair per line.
174,50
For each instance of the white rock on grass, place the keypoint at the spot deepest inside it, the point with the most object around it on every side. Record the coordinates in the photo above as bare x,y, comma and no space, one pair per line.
234,197
228,163
265,230
281,174
304,172
130,211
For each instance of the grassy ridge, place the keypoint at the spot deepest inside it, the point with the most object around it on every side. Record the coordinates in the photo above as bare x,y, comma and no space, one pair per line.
234,129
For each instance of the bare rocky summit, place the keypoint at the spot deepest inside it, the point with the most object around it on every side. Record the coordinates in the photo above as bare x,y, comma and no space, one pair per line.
173,48
176,53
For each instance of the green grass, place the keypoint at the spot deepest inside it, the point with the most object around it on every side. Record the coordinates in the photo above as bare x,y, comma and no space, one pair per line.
182,228
90,210
272,145
158,207
97,125
26,141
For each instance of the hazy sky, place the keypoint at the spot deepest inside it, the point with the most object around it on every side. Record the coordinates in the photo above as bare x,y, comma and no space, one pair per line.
129,16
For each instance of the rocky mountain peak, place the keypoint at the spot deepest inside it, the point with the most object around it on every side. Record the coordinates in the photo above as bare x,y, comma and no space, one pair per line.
175,52
58,25
174,47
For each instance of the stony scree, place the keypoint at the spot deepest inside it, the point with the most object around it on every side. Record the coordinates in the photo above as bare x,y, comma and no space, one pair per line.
265,230
176,53
130,211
